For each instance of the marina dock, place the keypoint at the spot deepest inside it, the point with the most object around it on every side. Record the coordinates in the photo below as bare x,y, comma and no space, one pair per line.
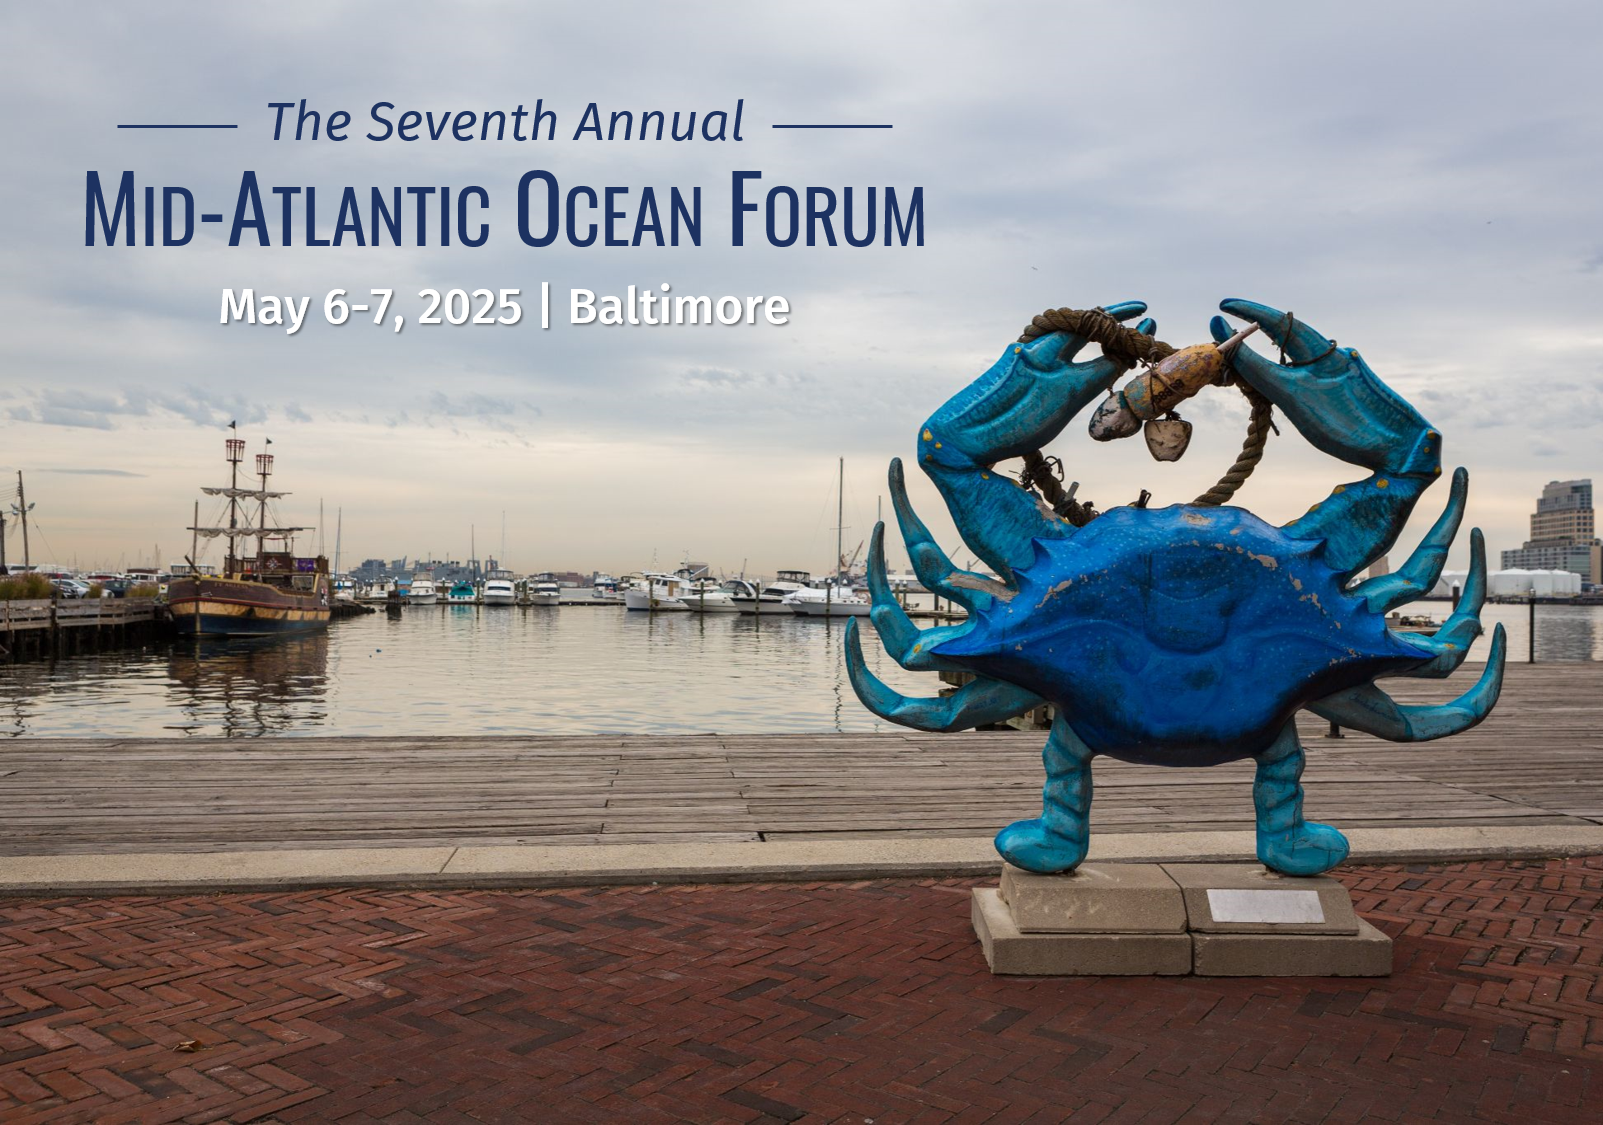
1535,762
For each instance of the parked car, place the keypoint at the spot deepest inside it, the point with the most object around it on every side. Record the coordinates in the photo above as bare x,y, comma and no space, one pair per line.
70,588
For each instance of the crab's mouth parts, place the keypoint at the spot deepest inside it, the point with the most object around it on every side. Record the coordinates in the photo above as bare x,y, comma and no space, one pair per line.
1187,608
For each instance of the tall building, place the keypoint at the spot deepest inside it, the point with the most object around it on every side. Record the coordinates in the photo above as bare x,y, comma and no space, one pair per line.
1563,533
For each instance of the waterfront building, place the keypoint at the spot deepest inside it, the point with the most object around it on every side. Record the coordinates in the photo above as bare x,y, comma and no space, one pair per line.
1563,534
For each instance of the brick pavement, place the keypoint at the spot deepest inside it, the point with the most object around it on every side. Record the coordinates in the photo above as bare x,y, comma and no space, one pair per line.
794,1002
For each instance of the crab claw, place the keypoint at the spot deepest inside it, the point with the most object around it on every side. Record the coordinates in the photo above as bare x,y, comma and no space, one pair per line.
1342,408
1022,402
1331,395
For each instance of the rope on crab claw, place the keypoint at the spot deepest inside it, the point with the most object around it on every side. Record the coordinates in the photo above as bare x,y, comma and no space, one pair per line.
1125,346
1128,347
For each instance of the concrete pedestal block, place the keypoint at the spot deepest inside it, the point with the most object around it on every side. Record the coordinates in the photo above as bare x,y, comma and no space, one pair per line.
1211,919
1367,953
1008,950
1097,898
1246,898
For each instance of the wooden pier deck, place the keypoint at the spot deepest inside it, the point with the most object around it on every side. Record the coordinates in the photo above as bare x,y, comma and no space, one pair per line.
1537,761
39,627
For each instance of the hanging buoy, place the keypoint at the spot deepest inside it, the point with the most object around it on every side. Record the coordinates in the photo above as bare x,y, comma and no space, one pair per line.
1149,399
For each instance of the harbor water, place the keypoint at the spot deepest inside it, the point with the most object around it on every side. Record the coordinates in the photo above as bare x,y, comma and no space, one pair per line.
463,670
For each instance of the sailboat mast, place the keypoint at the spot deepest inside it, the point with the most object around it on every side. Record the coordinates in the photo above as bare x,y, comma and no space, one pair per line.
840,520
339,529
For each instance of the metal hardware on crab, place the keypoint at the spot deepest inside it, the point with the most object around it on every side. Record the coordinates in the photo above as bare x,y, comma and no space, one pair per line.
1186,635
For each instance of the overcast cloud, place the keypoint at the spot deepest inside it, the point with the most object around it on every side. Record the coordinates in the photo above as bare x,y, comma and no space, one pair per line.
1419,181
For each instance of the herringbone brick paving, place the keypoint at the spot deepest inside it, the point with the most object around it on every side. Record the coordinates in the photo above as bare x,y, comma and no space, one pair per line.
794,1002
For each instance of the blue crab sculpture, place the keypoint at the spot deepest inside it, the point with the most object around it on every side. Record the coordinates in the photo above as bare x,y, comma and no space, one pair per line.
1186,635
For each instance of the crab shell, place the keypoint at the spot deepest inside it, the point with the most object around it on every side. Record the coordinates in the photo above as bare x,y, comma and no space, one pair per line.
1179,636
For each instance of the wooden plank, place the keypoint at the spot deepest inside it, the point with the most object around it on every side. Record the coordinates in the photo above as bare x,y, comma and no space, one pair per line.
1537,760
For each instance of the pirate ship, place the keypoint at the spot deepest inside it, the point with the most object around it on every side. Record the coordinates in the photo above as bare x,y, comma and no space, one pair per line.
265,588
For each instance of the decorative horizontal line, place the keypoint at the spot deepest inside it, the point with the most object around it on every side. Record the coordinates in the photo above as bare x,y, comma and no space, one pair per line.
832,126
178,126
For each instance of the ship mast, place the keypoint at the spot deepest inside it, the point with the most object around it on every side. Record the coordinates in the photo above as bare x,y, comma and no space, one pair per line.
236,454
264,469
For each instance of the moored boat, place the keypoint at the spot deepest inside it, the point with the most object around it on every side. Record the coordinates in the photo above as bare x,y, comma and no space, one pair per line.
499,589
378,592
259,593
605,590
706,596
658,593
544,589
770,599
828,601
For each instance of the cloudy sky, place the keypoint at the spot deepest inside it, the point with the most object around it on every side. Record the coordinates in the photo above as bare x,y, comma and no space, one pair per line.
1419,181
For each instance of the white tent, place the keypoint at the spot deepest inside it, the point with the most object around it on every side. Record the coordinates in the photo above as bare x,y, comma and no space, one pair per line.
1525,583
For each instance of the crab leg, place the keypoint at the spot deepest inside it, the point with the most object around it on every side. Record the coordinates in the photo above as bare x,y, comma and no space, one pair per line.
1372,711
1342,408
1022,402
932,565
980,702
1056,840
1414,579
907,644
1286,842
1451,643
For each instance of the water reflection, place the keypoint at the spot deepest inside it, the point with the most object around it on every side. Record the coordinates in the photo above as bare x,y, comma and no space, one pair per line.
1561,635
247,686
464,670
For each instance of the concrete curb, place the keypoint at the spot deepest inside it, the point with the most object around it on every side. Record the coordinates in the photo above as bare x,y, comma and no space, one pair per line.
462,868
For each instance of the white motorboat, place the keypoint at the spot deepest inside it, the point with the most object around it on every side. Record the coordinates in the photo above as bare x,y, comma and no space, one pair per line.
707,596
376,591
544,590
499,589
828,601
605,590
770,599
423,591
657,593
